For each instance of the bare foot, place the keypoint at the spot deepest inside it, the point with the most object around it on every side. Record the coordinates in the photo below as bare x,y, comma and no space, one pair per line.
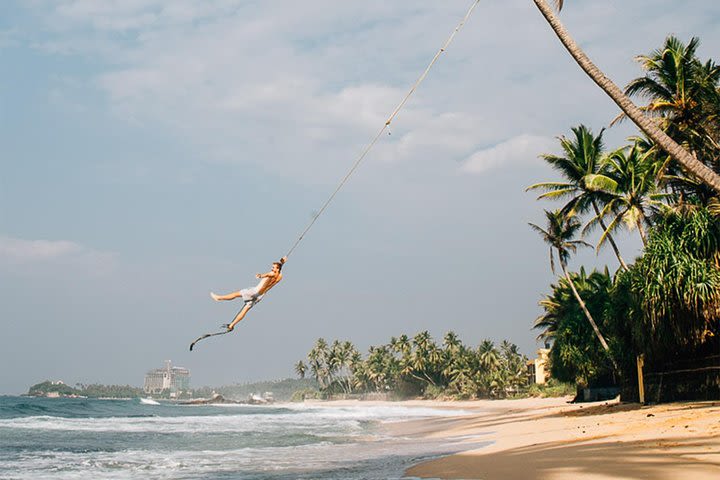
215,297
229,327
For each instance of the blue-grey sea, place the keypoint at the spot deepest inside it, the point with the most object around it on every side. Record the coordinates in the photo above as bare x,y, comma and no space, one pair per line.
76,438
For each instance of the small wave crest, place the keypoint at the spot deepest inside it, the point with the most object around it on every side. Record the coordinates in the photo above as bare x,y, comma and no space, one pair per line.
22,409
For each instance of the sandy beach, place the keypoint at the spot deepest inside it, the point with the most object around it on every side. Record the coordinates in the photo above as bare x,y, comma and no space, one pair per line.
552,439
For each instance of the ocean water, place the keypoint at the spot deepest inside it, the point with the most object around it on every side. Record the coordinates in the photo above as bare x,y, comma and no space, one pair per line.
44,438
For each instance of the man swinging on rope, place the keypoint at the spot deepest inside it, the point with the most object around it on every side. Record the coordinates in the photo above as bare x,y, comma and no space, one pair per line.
253,295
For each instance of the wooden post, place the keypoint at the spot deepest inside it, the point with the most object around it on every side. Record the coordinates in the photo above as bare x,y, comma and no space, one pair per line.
641,381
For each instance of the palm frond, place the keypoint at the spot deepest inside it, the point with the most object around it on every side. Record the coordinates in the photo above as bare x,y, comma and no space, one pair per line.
557,194
539,230
714,206
548,186
600,183
614,224
649,88
621,117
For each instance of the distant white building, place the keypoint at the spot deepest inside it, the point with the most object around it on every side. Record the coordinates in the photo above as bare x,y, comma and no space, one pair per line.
536,369
172,379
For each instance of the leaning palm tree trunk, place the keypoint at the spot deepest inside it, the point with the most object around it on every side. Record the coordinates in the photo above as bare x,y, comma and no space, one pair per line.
610,238
587,314
700,170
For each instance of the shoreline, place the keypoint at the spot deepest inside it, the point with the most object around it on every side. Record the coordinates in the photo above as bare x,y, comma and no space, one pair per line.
551,439
532,438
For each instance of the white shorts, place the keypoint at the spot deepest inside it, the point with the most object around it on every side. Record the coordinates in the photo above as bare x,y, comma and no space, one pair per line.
250,294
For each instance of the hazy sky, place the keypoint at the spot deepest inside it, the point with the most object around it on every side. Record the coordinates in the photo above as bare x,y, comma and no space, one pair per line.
153,151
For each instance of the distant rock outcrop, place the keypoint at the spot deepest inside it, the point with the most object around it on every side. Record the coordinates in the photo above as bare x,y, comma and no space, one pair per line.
215,399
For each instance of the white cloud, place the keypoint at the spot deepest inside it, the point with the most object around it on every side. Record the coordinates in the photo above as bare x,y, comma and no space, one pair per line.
521,149
272,83
21,252
35,250
297,90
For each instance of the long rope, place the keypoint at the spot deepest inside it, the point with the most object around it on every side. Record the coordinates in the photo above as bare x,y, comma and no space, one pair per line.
385,126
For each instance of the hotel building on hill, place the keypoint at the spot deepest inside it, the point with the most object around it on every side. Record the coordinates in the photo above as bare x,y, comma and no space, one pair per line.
173,379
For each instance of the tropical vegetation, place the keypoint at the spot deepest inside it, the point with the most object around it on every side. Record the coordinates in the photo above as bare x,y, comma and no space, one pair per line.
663,138
417,367
664,307
50,388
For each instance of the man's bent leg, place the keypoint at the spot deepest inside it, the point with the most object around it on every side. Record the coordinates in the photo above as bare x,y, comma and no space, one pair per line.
241,314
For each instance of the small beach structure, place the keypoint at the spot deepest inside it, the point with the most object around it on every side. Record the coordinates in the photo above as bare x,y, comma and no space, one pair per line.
536,368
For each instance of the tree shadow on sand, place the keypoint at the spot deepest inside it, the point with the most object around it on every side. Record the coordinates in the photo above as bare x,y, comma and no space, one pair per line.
627,460
609,408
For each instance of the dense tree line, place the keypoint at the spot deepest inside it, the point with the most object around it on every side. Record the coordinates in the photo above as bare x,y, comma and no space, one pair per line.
417,366
82,390
665,305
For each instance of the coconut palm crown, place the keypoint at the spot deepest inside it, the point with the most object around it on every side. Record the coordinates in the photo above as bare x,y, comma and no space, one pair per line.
560,234
586,184
647,125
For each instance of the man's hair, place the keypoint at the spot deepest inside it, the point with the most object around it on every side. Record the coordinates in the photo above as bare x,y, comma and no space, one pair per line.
279,265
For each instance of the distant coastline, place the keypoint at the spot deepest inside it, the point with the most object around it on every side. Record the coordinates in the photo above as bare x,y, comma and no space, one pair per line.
249,393
59,389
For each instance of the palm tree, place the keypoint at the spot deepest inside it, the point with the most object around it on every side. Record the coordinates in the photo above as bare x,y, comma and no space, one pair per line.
300,369
361,375
451,342
318,360
487,377
683,95
379,367
559,235
401,345
339,358
634,173
488,355
407,359
576,354
649,127
425,357
514,365
585,183
684,98
452,355
349,357
321,348
510,352
548,321
559,305
355,362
